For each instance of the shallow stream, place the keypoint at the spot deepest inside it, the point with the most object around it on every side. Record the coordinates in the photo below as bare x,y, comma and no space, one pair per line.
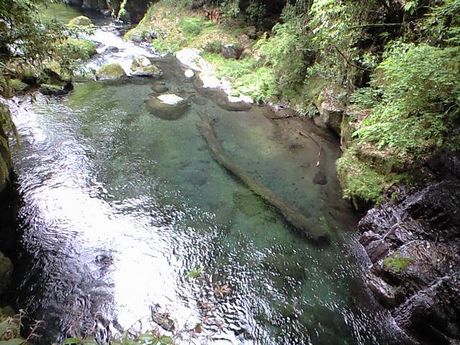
127,216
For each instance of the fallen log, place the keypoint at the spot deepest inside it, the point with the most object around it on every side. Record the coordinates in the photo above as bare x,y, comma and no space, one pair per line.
313,231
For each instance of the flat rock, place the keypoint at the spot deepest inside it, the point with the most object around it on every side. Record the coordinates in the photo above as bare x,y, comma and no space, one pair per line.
168,106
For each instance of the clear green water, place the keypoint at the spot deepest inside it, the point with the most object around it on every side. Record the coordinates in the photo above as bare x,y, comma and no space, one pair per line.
119,206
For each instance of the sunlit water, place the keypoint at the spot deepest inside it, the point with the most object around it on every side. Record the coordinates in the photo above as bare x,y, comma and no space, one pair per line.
121,208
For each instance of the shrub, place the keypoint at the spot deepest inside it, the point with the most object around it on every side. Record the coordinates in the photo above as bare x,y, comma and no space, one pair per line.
413,99
191,26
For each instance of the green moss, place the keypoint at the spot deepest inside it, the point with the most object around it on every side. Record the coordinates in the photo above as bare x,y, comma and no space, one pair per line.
192,25
78,48
18,85
80,21
359,179
110,71
396,263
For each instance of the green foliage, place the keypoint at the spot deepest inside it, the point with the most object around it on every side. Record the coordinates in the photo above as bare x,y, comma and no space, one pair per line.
336,28
442,24
285,53
396,263
230,8
192,26
414,100
247,76
21,29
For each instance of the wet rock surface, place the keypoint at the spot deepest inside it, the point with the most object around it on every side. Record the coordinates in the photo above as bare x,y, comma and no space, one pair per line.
414,249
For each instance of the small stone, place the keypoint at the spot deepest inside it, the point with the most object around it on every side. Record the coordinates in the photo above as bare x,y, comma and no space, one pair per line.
143,67
189,73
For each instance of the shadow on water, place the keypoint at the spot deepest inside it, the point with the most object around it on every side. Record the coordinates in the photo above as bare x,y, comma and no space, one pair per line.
127,217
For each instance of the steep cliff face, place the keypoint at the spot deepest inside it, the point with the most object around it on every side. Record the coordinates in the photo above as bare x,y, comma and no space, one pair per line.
413,245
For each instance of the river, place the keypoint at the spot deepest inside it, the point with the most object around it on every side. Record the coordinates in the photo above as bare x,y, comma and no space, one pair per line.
126,216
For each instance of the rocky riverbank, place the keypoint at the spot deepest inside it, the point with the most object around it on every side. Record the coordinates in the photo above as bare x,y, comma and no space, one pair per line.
413,245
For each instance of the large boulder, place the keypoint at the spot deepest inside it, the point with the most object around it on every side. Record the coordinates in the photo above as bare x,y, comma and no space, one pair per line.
331,108
110,71
6,270
168,106
143,67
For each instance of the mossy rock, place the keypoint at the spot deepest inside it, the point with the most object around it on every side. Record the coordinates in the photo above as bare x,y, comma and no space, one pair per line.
110,71
81,21
23,71
55,89
17,85
79,48
359,181
143,67
53,73
6,270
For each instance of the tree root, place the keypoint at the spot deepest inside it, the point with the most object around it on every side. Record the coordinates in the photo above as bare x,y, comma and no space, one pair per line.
311,230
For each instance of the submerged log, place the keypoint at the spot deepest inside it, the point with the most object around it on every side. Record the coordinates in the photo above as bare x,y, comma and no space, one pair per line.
308,228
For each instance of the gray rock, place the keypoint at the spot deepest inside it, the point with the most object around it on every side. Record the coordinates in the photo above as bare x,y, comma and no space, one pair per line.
414,245
384,292
330,108
376,250
231,51
143,67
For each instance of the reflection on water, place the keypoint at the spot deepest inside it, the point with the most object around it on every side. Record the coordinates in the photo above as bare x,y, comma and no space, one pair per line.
127,217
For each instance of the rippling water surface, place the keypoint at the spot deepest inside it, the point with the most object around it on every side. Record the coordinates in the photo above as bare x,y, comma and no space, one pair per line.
123,210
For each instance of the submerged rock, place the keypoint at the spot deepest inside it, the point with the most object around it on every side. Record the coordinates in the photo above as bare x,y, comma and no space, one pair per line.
110,71
168,106
159,87
414,248
143,67
320,178
6,270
